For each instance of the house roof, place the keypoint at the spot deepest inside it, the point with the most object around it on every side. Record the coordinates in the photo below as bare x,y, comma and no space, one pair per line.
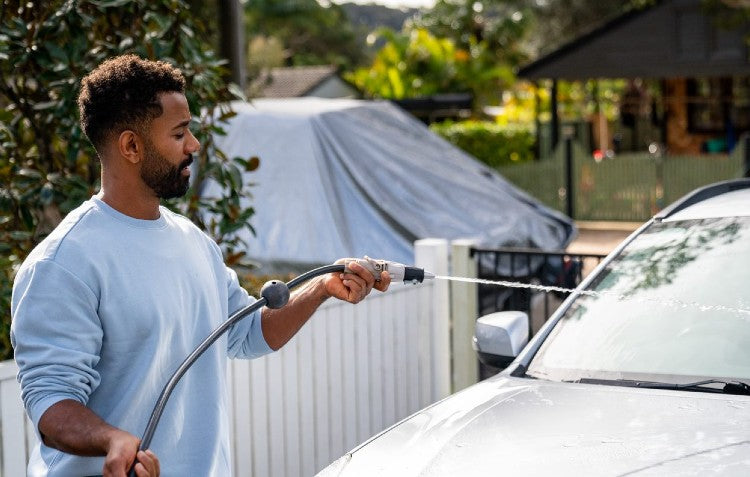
674,38
292,82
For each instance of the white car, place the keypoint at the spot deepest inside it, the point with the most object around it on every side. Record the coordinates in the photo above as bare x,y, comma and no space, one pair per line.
644,370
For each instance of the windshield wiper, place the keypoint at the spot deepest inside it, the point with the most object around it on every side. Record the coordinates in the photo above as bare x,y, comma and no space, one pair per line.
730,387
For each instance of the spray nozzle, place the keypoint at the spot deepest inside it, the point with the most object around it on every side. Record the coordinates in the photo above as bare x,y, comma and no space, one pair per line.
397,271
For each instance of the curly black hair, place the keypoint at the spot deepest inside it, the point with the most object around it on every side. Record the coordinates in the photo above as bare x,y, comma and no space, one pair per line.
122,93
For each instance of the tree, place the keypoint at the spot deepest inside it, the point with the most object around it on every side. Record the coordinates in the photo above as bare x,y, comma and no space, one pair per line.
457,46
47,166
312,34
412,63
499,26
558,21
415,63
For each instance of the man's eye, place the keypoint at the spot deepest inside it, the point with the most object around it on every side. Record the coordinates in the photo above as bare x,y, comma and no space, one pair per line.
179,135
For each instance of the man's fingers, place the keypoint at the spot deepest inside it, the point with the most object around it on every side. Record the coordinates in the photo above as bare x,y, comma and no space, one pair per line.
362,272
356,289
156,461
384,282
148,465
355,282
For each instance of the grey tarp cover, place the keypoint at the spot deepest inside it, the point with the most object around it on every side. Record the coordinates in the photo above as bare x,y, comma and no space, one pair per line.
344,178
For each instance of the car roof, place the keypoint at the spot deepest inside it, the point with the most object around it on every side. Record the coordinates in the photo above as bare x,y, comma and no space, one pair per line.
724,199
730,204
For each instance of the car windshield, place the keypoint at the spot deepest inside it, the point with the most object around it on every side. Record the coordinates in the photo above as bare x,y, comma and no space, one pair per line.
675,306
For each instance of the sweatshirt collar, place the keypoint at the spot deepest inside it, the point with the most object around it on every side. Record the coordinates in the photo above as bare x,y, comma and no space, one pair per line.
132,221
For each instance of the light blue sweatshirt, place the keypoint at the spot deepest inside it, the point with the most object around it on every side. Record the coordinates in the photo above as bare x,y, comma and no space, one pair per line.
105,309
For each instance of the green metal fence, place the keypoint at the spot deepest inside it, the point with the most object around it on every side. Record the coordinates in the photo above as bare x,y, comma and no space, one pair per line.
544,180
627,187
680,177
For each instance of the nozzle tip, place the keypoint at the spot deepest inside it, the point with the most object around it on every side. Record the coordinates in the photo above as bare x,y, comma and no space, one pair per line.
428,275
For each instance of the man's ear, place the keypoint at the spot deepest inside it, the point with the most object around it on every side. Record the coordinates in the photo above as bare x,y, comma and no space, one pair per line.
130,146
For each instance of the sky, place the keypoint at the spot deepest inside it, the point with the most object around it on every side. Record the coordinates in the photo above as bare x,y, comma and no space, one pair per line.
393,3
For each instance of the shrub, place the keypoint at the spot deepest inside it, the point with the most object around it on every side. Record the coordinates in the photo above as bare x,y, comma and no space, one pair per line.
489,142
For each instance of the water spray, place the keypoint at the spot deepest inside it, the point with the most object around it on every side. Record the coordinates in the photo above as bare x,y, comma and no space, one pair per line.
274,294
670,302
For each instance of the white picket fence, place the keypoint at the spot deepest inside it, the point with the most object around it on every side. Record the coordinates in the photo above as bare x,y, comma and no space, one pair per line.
352,371
16,431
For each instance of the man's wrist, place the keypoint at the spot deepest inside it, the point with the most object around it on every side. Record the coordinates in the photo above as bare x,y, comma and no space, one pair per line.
320,290
108,436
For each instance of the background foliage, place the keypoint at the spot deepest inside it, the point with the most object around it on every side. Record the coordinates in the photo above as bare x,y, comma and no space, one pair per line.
307,32
422,60
412,63
494,144
47,166
477,45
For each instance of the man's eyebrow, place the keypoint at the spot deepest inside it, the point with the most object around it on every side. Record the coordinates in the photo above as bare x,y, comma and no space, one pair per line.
182,124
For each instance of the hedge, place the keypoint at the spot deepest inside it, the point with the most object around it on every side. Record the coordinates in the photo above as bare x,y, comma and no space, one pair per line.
491,143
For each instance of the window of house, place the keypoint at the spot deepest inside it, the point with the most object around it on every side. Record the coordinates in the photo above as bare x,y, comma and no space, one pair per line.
718,105
741,103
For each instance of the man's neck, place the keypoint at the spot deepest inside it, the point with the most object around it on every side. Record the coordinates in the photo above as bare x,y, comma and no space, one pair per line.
132,201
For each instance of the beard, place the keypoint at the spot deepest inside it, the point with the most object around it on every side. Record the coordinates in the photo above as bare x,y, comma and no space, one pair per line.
163,178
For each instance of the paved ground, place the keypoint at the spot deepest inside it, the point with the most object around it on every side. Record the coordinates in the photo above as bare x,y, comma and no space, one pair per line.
600,237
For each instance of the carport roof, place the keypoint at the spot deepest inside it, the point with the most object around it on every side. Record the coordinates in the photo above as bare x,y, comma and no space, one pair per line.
674,38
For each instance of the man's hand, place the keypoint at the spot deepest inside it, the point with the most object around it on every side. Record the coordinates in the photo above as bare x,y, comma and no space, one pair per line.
148,464
121,452
355,285
71,427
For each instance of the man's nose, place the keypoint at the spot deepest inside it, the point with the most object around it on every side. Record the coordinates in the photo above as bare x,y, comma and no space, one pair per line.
193,144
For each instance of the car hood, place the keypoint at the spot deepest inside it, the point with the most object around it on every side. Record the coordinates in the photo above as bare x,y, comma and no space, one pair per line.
515,426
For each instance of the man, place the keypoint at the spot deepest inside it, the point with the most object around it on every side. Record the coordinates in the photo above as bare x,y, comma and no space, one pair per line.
111,302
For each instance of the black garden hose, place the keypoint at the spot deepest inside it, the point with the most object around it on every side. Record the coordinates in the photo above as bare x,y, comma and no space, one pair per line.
274,294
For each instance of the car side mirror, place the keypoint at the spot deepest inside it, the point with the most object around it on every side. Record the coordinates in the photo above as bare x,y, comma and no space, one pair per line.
500,337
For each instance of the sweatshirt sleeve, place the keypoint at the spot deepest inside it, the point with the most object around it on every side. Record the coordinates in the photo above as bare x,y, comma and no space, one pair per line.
246,338
56,336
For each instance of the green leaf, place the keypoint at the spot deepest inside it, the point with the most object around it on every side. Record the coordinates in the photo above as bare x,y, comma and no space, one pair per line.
218,130
231,227
20,235
30,173
55,178
235,177
236,92
397,86
110,3
45,105
46,194
126,43
225,115
55,51
187,31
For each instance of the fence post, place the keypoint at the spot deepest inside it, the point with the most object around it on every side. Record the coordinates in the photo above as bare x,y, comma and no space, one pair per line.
433,256
555,120
746,153
464,311
569,192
